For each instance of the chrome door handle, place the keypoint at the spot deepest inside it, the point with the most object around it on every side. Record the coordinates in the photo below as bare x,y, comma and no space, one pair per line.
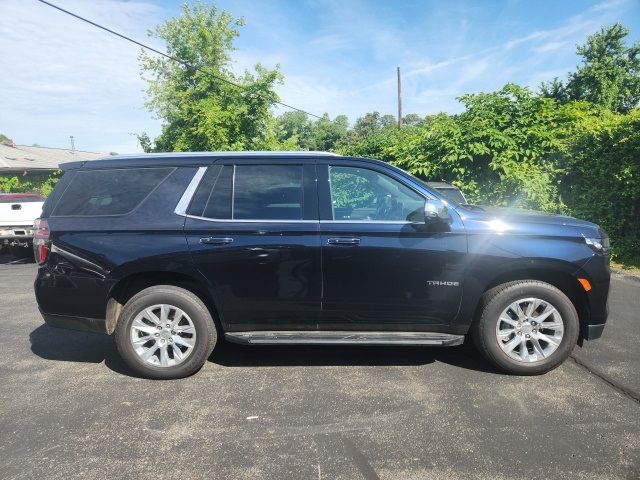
344,241
216,240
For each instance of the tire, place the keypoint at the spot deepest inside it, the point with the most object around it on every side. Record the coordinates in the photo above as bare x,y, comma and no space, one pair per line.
494,339
193,325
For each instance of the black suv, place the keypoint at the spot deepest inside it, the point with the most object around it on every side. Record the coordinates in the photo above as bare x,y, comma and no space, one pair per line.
173,251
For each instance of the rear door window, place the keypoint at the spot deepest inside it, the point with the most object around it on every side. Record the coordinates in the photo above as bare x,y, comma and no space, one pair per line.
250,192
109,192
213,196
268,192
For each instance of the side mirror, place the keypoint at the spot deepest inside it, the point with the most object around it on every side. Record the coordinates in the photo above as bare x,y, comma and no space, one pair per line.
435,211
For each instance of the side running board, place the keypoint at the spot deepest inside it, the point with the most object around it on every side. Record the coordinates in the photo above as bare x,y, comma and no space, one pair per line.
342,338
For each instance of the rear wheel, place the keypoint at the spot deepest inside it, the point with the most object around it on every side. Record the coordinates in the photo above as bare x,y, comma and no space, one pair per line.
165,332
526,327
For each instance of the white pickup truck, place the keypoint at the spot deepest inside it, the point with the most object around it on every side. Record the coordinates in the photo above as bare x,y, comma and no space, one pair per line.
18,211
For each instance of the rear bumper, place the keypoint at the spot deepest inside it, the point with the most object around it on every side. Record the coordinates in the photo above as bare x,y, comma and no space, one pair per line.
16,233
95,325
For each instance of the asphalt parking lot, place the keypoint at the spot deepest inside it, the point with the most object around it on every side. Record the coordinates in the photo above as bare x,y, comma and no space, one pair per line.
69,408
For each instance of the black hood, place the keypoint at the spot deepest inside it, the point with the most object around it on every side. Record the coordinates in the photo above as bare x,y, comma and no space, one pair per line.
526,221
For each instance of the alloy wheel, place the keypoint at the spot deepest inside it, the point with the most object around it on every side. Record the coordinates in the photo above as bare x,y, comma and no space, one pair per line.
163,335
529,330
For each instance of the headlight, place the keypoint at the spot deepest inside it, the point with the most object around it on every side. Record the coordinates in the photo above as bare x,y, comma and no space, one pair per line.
599,245
594,243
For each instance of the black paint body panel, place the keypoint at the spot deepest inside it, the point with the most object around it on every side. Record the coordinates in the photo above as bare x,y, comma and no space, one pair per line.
284,275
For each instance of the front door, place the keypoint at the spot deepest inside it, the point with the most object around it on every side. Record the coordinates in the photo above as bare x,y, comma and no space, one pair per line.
383,269
252,230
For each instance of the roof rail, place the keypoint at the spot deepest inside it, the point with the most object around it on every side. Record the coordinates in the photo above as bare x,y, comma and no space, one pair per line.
256,153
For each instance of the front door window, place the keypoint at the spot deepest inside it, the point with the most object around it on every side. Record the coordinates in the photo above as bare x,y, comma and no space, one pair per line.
363,195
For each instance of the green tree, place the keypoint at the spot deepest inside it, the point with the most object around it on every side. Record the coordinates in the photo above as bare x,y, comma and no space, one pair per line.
368,125
601,174
609,75
294,126
199,108
411,119
499,150
378,145
301,133
326,133
388,121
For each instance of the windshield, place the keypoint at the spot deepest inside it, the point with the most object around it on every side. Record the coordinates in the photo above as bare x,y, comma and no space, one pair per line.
453,194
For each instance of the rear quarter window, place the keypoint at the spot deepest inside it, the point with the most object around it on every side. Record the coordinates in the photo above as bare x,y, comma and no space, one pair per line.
109,192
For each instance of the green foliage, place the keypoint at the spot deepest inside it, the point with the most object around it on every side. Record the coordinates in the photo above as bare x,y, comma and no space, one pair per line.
297,132
374,145
609,76
200,109
411,119
497,151
46,187
34,182
353,190
601,179
13,184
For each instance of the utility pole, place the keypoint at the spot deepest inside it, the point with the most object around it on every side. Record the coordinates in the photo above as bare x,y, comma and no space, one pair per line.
73,145
399,101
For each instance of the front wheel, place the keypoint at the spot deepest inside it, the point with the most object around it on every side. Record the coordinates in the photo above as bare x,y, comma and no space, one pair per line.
165,332
526,327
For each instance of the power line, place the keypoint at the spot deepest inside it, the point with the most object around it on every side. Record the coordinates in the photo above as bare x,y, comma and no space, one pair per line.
166,55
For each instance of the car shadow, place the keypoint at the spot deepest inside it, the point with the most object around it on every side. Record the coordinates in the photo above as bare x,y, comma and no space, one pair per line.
233,355
7,258
73,346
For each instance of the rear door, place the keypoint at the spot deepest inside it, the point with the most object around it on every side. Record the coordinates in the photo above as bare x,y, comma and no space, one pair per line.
252,229
383,269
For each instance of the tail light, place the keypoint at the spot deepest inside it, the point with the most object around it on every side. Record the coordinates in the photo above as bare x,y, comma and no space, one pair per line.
41,241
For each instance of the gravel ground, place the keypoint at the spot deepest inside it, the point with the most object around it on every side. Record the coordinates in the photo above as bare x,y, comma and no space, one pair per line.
69,408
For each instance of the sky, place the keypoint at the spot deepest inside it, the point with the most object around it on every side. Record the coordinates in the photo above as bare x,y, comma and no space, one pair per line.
60,77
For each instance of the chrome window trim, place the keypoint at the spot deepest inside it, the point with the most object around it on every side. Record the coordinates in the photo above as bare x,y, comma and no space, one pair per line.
390,222
229,220
233,192
185,200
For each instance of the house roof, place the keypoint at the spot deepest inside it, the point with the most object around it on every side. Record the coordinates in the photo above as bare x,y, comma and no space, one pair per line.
20,158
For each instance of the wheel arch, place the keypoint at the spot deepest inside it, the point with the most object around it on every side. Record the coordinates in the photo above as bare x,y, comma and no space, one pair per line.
562,280
128,286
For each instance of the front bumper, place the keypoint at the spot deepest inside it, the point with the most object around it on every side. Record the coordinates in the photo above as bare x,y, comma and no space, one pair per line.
597,271
592,332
